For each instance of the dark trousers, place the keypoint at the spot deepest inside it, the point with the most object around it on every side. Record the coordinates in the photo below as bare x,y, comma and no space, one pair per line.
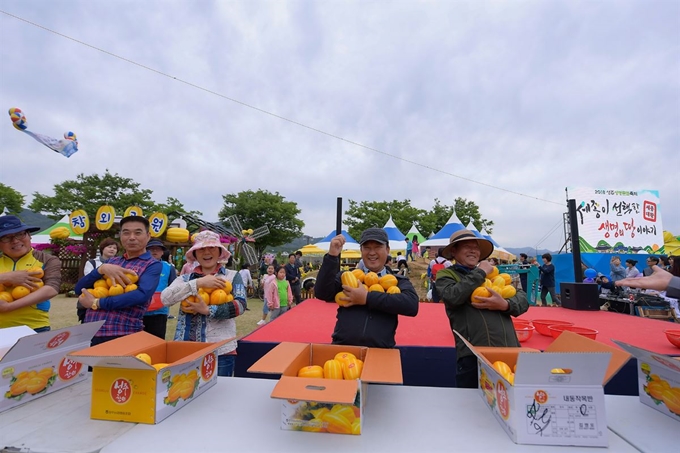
99,340
81,314
466,373
156,325
544,292
435,294
295,288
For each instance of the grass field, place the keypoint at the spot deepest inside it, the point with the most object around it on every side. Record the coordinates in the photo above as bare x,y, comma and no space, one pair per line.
63,314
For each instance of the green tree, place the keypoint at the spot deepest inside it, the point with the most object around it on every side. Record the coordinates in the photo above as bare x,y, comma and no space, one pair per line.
367,214
174,205
11,200
466,210
89,192
255,209
375,214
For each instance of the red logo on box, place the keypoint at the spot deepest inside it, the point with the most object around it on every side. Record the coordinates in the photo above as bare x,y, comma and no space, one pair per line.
68,369
503,401
121,391
58,340
649,211
208,366
541,396
668,363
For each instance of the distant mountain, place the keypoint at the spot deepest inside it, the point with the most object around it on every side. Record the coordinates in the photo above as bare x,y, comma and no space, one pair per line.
530,251
34,219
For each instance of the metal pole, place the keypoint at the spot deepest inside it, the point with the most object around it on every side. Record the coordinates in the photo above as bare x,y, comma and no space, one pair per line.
575,246
338,225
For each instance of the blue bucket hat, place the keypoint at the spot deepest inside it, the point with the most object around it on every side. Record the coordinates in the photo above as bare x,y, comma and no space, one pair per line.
156,243
10,224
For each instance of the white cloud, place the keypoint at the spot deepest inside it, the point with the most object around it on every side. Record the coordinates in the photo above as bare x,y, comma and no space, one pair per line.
530,96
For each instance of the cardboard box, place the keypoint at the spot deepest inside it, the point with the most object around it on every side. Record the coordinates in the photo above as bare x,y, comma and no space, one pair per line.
35,364
325,405
658,380
546,408
127,389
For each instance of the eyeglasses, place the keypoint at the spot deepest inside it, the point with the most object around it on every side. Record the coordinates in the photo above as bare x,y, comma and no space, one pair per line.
12,237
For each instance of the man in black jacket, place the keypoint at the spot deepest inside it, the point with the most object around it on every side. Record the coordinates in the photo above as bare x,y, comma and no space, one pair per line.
293,276
367,318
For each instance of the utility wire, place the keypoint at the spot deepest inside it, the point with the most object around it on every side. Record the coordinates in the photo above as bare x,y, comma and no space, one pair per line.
548,234
297,123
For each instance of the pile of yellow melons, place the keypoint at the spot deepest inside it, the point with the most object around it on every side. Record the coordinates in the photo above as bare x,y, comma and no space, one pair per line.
12,293
344,365
385,284
211,296
501,283
106,287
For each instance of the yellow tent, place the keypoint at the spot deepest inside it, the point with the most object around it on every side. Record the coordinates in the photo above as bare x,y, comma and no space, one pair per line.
350,254
311,249
502,255
671,244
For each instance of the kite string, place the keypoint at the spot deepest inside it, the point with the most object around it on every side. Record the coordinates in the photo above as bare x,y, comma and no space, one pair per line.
297,123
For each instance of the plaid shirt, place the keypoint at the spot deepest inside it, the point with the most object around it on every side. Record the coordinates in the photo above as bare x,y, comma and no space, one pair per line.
123,314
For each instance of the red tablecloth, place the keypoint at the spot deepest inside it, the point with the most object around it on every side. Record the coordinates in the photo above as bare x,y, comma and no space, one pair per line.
313,322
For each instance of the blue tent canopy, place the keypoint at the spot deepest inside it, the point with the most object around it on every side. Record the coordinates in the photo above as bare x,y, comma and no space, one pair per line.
350,244
441,239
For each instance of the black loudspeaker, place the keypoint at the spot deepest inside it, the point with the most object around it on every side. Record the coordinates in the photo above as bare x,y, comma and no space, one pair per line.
580,296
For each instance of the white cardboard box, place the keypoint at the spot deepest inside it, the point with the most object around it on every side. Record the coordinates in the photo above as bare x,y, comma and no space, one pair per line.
658,380
544,408
35,364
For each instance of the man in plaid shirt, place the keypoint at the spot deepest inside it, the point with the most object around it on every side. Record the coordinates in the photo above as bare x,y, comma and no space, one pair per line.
123,313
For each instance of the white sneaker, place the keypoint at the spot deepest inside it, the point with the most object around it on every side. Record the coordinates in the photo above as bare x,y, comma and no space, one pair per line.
261,322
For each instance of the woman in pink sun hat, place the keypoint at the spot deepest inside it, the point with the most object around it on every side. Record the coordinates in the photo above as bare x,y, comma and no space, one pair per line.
199,321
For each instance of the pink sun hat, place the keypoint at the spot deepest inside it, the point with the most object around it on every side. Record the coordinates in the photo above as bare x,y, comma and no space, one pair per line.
206,239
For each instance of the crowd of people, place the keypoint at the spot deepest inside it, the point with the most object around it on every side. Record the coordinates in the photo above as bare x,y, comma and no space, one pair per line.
363,318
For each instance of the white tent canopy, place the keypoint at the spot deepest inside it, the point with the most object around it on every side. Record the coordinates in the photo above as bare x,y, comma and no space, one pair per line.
43,237
396,237
441,238
499,252
471,227
414,232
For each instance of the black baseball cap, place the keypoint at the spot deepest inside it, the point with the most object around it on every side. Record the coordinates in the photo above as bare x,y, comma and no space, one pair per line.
374,234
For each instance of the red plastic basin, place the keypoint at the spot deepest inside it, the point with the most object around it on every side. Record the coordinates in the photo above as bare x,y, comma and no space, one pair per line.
673,336
524,332
557,329
542,325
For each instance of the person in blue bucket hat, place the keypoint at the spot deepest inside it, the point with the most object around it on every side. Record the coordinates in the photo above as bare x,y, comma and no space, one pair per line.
29,278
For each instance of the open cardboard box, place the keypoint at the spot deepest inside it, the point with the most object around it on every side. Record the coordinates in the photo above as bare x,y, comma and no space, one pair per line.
125,388
544,407
658,380
325,405
35,364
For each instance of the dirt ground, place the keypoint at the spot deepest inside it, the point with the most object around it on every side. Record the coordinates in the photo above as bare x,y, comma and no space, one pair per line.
418,276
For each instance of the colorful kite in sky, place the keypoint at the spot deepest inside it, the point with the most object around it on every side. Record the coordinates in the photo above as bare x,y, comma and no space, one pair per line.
66,147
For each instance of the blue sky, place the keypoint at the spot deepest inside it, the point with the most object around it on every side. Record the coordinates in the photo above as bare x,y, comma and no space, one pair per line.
528,96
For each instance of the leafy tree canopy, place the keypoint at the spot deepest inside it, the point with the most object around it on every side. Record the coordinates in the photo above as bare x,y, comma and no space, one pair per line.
366,214
10,199
89,192
255,209
375,214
